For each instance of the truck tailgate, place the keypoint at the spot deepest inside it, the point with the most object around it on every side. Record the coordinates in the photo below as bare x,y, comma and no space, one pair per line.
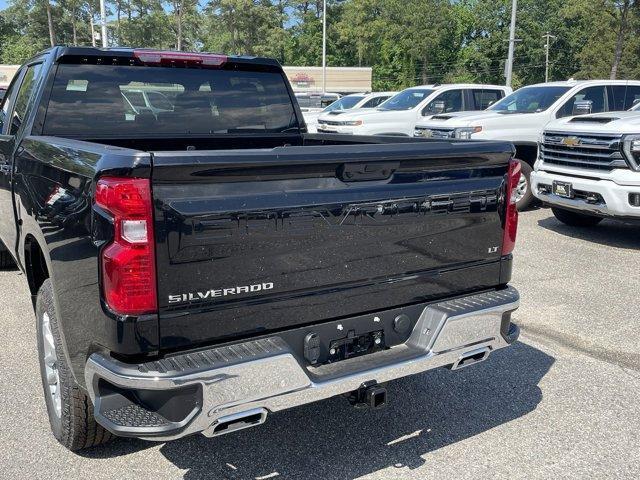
253,241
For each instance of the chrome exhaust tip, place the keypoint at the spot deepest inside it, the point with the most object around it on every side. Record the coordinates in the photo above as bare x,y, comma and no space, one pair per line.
470,358
237,421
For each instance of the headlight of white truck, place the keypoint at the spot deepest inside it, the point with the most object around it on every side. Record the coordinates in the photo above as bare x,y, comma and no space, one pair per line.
352,123
464,133
631,148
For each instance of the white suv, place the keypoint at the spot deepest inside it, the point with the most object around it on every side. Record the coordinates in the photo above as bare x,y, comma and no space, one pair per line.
399,114
589,167
521,117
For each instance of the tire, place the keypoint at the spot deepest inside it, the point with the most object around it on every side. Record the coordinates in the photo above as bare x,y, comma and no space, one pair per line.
575,219
526,198
6,259
69,407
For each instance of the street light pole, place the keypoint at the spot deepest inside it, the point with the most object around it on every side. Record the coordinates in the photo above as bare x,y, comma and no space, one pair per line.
103,24
324,46
512,41
546,49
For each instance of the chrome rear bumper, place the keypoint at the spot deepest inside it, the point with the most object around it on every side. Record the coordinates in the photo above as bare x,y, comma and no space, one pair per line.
236,386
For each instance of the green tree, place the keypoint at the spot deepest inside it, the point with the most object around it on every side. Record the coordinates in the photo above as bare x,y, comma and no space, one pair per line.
406,42
29,32
243,26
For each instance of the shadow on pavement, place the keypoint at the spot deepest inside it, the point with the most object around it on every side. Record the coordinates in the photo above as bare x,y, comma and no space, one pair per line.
609,233
330,439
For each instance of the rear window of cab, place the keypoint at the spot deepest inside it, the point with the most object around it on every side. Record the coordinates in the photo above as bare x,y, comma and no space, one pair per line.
92,100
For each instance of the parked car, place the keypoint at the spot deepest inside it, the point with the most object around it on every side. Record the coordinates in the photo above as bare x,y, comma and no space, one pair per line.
398,115
345,104
535,106
197,271
589,168
315,102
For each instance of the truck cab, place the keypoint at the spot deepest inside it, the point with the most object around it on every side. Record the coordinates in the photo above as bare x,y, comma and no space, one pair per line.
400,113
521,117
589,168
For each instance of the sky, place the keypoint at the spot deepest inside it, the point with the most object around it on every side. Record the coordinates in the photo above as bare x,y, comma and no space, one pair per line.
3,4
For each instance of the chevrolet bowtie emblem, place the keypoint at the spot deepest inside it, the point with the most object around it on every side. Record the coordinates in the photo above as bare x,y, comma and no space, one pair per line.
570,141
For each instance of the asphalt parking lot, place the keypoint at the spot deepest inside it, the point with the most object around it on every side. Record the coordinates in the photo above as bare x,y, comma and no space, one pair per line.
562,403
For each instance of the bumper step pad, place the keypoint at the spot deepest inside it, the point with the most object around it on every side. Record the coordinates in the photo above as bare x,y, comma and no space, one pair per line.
135,416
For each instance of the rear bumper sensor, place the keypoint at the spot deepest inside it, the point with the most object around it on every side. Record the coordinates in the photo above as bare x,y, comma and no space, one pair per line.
228,388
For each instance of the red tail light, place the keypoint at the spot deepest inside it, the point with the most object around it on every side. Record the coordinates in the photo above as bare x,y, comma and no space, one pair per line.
511,210
128,262
157,57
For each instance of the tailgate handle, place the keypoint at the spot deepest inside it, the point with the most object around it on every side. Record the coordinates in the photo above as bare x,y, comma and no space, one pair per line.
360,172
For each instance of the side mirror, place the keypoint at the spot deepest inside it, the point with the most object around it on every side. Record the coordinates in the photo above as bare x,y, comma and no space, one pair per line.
635,102
582,107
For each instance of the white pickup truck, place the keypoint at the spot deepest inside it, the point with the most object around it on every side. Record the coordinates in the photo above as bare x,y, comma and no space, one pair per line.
522,116
589,168
399,114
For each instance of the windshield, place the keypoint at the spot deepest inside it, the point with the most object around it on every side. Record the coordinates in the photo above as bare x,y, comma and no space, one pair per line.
345,103
406,100
529,100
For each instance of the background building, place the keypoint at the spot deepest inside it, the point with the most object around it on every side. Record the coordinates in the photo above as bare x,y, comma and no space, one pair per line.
339,79
6,74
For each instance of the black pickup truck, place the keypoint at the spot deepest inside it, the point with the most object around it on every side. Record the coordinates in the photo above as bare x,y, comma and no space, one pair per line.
196,260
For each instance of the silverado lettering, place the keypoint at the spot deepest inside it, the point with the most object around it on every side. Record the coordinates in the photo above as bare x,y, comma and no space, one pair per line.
222,292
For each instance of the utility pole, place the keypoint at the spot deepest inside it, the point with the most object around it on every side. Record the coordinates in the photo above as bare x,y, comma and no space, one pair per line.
512,41
92,18
324,46
52,35
103,24
546,51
